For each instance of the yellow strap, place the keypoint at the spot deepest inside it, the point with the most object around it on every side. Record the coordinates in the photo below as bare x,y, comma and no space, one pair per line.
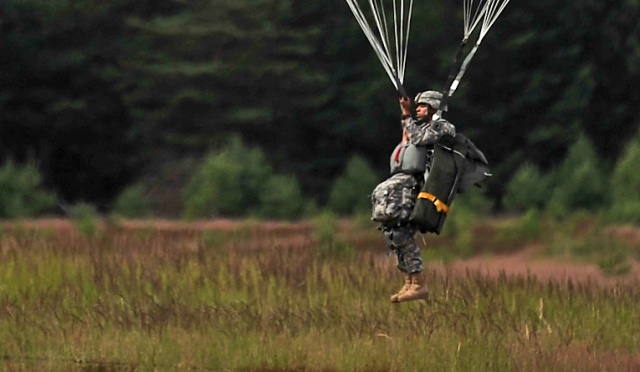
440,206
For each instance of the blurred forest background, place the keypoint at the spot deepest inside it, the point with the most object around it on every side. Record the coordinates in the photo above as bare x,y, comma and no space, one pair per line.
278,108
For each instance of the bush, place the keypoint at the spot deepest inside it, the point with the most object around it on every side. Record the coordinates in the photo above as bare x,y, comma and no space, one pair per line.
583,236
228,183
330,245
580,182
528,227
21,192
238,181
85,218
215,188
281,198
626,185
165,183
351,192
465,211
527,189
133,202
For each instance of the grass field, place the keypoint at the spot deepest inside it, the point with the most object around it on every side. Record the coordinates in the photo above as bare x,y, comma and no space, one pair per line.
256,296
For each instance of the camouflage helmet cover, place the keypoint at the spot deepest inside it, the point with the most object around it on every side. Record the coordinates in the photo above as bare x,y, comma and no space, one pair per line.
431,98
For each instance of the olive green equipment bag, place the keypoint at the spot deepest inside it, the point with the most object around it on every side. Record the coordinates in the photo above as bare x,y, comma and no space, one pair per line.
457,165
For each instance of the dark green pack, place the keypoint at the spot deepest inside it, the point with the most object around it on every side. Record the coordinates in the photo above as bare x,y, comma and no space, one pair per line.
457,165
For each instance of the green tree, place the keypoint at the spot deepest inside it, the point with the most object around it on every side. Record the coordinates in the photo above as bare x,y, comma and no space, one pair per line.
98,92
351,192
22,193
580,182
58,101
220,67
527,189
544,74
229,183
626,184
133,202
281,197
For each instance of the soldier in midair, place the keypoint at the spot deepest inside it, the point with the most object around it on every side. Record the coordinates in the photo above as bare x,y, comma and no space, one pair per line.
394,199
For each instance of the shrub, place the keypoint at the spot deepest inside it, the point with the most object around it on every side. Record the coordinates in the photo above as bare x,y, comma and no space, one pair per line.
580,182
626,184
215,188
85,218
330,245
21,192
583,236
527,189
351,191
133,202
615,262
465,211
281,198
164,184
528,227
227,183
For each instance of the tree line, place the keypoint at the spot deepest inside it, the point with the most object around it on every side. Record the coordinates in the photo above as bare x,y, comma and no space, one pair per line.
102,96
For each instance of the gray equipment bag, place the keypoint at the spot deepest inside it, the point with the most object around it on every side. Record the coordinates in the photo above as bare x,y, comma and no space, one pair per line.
457,165
409,159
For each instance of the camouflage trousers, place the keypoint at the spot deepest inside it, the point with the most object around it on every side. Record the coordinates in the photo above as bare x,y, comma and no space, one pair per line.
401,241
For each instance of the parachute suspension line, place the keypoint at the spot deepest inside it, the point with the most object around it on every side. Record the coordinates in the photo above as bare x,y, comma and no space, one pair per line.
494,10
403,62
488,12
381,23
471,17
375,44
397,40
392,53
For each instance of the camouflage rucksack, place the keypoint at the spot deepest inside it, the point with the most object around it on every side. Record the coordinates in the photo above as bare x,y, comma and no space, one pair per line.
394,199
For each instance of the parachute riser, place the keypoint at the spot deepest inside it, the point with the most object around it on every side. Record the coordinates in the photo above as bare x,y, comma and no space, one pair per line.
486,15
457,62
401,90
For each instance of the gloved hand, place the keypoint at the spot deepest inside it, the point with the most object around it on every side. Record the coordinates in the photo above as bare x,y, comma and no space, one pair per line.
405,105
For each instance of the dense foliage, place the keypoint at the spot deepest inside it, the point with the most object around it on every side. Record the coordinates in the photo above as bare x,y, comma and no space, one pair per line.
626,184
104,95
21,192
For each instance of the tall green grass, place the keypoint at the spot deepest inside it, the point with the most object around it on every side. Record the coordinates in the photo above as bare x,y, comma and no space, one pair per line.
256,299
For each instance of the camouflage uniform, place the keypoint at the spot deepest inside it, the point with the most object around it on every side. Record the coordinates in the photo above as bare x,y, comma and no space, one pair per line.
400,232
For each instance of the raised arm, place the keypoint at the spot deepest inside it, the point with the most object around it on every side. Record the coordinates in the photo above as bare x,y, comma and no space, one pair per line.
423,133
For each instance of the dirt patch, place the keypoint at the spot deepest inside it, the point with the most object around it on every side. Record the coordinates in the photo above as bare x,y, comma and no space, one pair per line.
525,263
628,234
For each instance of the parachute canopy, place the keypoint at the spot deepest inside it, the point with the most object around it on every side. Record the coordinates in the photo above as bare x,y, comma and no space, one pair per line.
387,25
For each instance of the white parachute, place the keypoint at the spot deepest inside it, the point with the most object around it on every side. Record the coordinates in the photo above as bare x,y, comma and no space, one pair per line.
392,22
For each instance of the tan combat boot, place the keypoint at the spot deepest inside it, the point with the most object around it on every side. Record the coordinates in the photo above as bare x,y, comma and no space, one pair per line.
416,291
407,284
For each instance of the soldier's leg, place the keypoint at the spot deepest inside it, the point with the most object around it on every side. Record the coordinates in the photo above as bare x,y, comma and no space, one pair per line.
410,260
401,241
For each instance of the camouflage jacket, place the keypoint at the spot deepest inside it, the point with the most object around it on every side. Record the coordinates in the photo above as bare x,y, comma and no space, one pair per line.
427,133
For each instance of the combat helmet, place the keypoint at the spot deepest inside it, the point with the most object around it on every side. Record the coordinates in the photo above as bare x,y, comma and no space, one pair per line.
431,98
